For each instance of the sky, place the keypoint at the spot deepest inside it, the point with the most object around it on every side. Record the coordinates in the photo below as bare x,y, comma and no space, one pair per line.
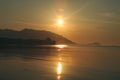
85,21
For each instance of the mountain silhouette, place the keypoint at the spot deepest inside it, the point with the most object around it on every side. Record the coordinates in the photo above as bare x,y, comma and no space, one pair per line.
33,34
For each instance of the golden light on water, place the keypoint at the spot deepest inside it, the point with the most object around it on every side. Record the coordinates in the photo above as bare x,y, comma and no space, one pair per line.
61,46
59,68
58,77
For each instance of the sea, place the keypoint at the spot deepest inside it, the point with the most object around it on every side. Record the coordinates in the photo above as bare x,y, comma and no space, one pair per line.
60,62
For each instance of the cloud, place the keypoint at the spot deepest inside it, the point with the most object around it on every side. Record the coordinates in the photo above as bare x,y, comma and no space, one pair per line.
108,14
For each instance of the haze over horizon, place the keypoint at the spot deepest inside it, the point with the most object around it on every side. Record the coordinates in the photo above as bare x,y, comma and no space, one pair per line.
86,20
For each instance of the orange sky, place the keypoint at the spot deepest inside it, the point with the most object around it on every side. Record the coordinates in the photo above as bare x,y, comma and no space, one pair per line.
85,21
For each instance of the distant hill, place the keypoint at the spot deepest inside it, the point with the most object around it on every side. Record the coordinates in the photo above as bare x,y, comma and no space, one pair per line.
33,34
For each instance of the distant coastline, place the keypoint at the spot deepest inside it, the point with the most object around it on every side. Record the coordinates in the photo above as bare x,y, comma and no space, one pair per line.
97,44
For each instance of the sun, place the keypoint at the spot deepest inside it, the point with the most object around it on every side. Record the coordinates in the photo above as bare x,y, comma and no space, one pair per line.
60,22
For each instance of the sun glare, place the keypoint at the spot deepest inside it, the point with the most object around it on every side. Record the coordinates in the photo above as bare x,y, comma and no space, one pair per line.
60,21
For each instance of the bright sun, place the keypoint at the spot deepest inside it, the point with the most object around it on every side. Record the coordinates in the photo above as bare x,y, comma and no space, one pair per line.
60,22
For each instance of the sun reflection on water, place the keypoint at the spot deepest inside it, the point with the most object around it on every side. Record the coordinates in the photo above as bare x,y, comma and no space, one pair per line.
61,46
59,62
59,69
59,77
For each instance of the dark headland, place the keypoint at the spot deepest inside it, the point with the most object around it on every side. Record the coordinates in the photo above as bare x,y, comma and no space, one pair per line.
30,37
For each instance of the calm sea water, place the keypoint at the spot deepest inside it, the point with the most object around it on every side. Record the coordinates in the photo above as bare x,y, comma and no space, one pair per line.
70,63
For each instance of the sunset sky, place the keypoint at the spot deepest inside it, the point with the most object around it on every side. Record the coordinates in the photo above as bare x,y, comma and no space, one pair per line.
85,21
